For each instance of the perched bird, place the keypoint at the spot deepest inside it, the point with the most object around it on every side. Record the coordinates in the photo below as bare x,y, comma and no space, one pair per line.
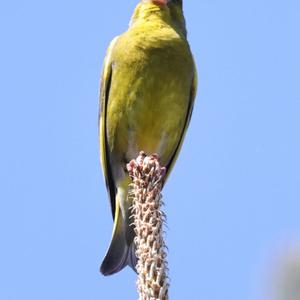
147,94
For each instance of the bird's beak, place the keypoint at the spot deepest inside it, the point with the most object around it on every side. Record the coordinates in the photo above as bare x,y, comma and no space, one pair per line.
160,2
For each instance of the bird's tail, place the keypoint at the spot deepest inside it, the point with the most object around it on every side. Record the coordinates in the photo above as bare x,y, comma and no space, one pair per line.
121,250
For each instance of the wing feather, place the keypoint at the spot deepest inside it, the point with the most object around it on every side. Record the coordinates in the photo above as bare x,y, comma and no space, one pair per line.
104,95
193,93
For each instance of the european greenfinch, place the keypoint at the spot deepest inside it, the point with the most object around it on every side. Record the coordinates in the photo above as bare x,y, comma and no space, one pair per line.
147,94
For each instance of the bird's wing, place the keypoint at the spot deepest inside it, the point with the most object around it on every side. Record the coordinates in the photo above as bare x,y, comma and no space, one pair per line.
193,92
104,94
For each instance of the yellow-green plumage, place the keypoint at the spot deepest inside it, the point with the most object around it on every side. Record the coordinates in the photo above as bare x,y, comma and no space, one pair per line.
147,93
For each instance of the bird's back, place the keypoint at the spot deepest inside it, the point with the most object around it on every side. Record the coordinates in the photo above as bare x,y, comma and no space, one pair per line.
150,91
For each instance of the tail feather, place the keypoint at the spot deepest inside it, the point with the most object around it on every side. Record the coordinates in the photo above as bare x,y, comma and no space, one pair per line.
131,258
121,250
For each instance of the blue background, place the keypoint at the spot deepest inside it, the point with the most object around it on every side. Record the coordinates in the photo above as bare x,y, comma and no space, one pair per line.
233,199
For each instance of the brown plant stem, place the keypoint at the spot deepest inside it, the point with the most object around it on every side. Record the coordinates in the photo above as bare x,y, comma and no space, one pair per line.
145,190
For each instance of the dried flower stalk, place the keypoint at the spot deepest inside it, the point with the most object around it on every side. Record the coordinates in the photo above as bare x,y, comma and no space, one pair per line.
145,190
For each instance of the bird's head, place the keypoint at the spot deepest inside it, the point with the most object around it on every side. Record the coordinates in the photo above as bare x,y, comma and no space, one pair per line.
169,10
164,2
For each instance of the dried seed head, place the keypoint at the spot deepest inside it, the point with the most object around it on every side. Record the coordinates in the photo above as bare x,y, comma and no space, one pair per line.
148,219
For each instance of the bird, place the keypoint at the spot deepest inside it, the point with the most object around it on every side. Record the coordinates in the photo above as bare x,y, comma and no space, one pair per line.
147,92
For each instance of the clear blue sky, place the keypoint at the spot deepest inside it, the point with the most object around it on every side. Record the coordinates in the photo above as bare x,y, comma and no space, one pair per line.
233,198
